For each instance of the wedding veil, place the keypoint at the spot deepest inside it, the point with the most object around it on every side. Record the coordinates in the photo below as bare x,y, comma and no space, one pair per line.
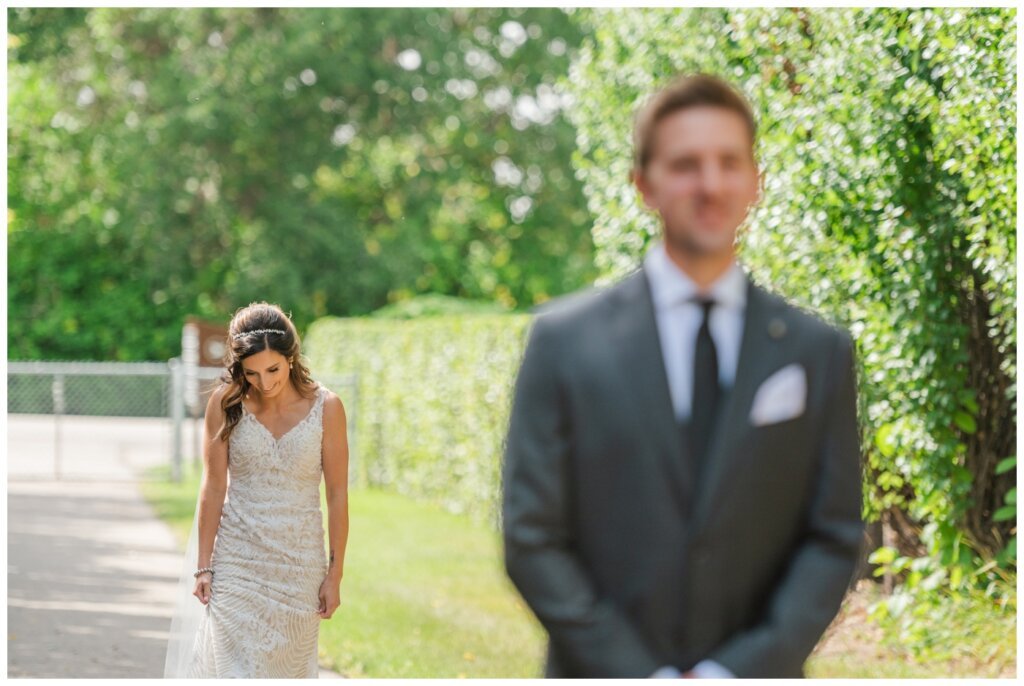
188,611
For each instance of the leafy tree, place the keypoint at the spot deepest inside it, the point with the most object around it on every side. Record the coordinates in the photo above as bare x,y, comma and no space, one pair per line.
173,162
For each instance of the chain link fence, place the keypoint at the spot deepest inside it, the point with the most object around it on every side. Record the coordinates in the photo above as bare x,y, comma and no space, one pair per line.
116,420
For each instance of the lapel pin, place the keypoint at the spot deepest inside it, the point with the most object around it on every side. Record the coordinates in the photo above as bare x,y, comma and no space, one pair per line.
777,328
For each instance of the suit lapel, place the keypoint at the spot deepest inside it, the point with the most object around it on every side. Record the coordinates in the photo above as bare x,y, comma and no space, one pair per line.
638,348
761,352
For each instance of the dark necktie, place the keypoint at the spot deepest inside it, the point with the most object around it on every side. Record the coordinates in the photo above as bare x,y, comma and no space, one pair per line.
705,387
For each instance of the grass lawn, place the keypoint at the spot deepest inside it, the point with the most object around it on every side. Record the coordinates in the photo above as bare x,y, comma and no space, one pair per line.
424,593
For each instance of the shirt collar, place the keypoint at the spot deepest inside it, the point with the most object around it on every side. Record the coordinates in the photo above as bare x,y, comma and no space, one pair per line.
671,286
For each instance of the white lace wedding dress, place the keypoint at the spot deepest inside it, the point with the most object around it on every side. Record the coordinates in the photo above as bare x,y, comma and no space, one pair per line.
268,559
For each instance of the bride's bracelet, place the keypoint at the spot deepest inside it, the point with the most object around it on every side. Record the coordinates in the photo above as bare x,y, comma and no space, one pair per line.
204,569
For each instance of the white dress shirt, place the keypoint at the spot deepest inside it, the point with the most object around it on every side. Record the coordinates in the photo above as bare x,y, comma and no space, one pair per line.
678,319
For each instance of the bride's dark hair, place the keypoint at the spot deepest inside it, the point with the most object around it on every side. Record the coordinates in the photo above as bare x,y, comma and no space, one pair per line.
257,327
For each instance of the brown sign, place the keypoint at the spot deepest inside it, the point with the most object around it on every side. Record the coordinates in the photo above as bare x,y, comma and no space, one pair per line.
210,339
203,347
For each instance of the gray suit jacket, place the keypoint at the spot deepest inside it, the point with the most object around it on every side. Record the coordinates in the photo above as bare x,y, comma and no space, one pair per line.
629,563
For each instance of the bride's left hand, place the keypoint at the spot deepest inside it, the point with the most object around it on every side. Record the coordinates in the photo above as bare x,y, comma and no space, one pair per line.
330,598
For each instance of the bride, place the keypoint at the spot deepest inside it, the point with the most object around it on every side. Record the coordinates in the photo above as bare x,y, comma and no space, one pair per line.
259,578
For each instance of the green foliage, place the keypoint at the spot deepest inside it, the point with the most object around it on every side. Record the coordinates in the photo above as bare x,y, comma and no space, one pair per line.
887,138
166,162
1007,557
433,401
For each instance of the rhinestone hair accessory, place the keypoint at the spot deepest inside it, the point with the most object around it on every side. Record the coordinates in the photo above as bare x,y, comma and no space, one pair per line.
249,333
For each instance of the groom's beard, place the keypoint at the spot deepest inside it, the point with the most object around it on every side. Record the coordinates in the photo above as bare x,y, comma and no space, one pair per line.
687,240
685,243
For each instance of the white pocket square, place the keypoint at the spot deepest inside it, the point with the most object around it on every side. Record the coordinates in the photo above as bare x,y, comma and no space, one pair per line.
782,396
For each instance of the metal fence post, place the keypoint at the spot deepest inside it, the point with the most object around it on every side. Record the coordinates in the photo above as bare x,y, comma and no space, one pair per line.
78,394
177,401
57,391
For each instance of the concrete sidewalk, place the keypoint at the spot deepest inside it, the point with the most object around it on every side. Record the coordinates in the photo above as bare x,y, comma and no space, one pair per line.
91,576
82,448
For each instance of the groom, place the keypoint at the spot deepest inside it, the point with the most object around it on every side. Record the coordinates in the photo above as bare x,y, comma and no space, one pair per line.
682,488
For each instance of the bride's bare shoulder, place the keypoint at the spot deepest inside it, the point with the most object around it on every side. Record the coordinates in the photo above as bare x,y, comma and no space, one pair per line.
216,396
333,407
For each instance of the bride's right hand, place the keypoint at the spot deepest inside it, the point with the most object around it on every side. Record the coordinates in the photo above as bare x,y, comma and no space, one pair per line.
203,585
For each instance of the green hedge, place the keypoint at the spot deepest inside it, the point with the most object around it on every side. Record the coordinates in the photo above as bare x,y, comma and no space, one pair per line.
436,304
433,401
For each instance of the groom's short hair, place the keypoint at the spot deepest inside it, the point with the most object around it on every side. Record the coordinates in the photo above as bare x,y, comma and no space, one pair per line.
686,91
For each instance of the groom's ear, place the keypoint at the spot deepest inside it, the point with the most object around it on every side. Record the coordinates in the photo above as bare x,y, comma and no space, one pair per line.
637,178
761,180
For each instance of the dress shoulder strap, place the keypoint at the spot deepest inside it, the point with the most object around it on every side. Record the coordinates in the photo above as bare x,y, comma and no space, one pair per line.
321,393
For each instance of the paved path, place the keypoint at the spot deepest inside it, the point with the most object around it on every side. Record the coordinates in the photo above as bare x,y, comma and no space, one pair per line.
90,448
91,575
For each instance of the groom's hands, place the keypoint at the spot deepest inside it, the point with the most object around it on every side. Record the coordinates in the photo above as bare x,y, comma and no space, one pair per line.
705,669
330,597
